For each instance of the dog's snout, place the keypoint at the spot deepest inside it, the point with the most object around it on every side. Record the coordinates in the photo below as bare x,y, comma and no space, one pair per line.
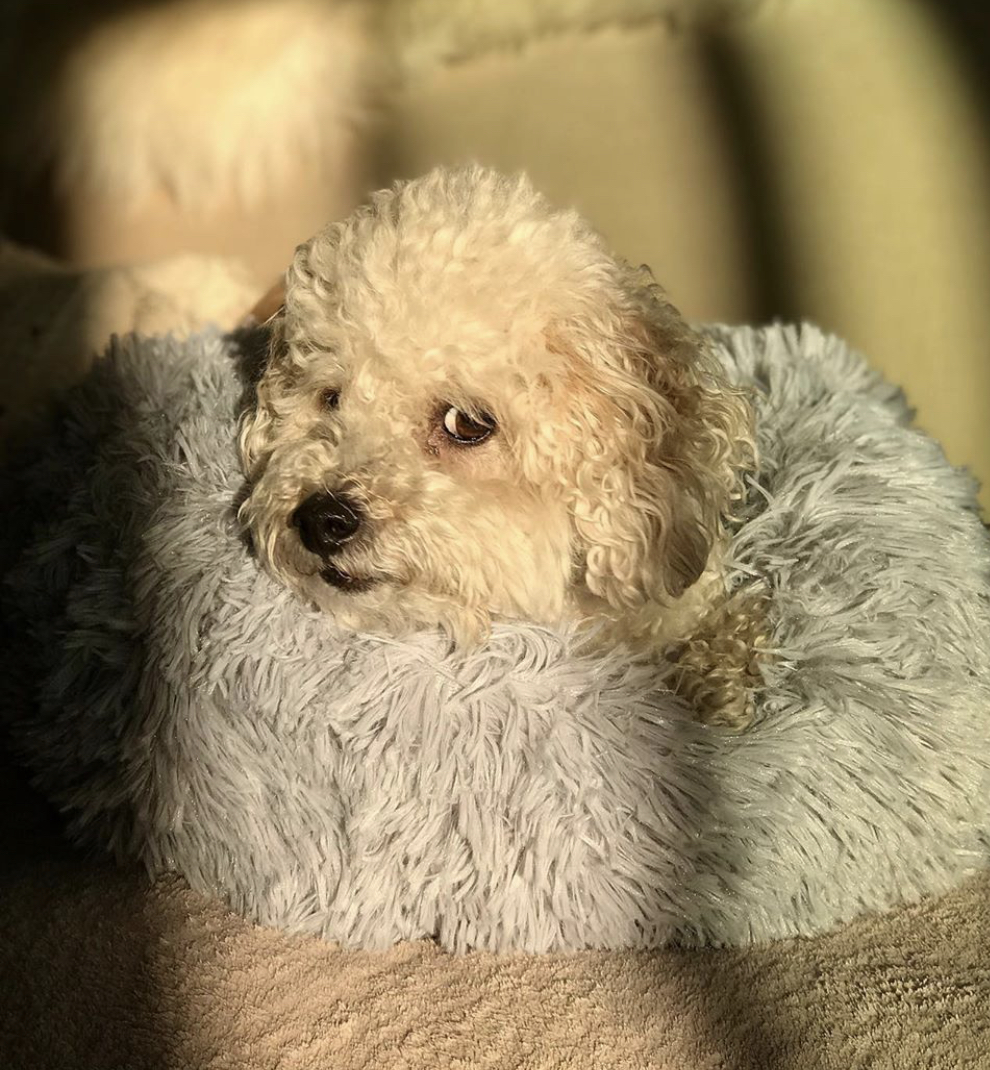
327,521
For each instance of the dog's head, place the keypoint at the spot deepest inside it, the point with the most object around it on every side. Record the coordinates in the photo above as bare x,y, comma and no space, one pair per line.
470,408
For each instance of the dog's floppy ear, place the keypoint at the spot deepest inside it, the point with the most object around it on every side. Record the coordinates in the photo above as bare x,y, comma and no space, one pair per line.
261,416
295,305
662,439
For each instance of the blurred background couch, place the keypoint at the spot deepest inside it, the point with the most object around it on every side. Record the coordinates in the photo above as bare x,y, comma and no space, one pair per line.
803,159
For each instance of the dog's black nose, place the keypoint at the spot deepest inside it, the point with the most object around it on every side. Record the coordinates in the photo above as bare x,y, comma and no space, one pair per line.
327,521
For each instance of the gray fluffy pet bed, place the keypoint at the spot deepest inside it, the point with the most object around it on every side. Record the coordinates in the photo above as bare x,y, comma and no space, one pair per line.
190,713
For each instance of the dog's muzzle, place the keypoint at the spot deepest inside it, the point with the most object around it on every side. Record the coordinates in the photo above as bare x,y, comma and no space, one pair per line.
327,522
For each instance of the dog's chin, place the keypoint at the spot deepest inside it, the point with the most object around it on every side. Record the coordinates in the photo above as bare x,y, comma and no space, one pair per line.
346,582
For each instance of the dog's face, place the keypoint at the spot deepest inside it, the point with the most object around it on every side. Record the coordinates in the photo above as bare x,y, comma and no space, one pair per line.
470,409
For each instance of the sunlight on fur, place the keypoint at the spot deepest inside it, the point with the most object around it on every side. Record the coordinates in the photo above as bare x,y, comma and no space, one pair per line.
472,410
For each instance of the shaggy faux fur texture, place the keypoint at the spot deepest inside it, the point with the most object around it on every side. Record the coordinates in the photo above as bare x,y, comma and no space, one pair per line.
192,714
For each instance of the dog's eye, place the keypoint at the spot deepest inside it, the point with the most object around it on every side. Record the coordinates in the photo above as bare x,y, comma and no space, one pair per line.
465,429
330,399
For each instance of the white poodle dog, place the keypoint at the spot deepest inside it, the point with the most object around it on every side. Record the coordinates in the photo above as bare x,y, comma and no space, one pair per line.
472,410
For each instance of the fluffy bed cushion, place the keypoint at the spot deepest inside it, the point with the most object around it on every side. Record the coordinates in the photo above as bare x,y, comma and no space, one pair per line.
188,712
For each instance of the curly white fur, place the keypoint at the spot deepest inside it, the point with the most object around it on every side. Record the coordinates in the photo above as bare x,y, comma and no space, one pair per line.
618,445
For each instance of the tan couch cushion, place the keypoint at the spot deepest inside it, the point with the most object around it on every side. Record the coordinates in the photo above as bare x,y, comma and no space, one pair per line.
54,320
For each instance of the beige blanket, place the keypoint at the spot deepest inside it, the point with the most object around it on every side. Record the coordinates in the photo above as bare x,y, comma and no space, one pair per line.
99,970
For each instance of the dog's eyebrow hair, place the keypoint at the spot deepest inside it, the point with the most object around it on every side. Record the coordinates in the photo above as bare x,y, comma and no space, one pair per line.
308,348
